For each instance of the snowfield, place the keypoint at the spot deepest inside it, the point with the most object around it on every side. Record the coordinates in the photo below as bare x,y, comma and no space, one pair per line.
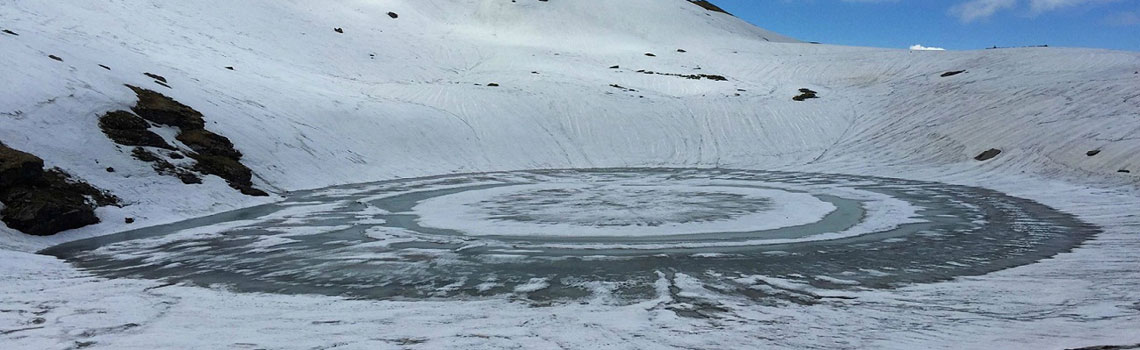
395,98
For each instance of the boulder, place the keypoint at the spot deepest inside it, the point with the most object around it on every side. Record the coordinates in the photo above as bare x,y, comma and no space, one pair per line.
805,94
17,168
987,155
127,129
206,142
46,211
160,109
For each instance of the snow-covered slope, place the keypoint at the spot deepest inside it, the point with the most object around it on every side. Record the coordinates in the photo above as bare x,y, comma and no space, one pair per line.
311,107
409,96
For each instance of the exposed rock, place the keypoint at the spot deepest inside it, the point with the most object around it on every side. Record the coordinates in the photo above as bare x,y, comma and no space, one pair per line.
206,142
1093,152
952,73
54,57
393,15
163,167
160,109
339,30
230,67
236,174
616,86
123,120
712,77
215,154
806,94
42,203
708,6
156,77
1124,171
681,50
104,67
9,32
615,67
987,155
129,220
17,168
493,84
1110,347
128,129
46,211
110,169
650,54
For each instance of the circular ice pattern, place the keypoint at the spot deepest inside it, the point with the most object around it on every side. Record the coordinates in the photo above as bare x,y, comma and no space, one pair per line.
617,209
571,234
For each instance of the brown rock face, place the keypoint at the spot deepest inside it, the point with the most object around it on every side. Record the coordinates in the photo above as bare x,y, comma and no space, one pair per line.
215,154
987,155
46,211
160,109
18,167
43,203
129,130
205,142
709,6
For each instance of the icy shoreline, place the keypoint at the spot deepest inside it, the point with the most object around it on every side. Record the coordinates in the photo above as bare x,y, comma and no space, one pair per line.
1081,298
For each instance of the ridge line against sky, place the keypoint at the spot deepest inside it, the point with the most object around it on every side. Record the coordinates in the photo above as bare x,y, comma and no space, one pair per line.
953,24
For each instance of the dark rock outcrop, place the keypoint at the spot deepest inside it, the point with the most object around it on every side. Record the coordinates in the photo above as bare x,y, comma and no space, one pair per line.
203,141
805,94
215,154
156,77
952,73
18,167
127,129
987,155
160,109
44,202
1109,347
709,6
1092,153
164,167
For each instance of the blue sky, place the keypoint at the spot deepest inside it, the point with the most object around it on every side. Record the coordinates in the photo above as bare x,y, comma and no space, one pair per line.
951,24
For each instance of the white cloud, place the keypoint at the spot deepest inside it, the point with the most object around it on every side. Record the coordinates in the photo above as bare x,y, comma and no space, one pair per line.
1039,6
1124,19
917,47
974,10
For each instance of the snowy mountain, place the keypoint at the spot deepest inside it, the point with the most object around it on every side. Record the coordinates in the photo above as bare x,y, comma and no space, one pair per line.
318,93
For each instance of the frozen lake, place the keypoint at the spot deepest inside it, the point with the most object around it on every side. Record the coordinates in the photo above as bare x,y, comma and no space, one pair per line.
562,235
